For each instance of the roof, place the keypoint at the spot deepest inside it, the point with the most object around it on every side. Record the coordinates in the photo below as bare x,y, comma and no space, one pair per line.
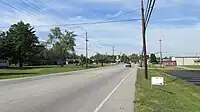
168,61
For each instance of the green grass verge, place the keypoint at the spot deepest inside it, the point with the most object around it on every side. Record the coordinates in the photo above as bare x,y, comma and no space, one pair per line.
176,96
28,71
153,66
193,66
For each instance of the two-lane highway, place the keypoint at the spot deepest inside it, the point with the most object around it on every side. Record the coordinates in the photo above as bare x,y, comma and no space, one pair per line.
81,91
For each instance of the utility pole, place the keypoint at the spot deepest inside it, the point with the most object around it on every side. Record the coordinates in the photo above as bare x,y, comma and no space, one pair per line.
160,53
141,59
144,40
113,53
86,48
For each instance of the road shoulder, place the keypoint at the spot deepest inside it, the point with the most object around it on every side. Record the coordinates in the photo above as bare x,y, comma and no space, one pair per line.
122,99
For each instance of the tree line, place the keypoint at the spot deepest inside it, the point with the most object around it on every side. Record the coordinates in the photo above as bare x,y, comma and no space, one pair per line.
22,46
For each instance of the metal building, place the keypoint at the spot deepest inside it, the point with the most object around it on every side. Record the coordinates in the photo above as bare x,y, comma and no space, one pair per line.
186,60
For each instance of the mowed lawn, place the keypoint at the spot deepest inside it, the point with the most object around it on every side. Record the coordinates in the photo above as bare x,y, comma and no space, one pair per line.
27,71
153,66
176,96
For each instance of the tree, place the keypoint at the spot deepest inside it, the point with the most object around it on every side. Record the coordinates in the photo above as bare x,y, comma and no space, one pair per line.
62,42
148,56
22,42
2,43
124,58
134,58
83,59
166,57
153,58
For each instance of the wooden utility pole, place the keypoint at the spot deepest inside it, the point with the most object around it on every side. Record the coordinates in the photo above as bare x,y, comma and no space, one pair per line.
144,40
86,48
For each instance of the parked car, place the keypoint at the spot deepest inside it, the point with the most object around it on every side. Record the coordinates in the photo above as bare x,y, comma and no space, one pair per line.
128,65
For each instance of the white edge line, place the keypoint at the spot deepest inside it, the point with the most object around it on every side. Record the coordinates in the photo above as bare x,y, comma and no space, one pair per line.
106,99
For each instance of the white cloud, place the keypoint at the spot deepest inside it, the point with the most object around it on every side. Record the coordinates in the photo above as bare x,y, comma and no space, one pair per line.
114,15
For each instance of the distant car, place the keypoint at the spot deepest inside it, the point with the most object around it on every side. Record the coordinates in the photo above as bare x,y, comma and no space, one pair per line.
113,63
128,65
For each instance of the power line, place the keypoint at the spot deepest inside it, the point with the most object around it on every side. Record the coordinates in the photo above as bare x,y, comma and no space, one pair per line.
19,9
29,4
149,16
37,9
33,6
100,44
97,44
52,10
86,23
147,10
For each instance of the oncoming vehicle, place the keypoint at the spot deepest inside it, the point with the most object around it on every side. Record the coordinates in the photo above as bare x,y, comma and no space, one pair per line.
128,65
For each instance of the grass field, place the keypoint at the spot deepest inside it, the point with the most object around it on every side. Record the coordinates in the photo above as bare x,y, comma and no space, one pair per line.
153,66
176,96
27,71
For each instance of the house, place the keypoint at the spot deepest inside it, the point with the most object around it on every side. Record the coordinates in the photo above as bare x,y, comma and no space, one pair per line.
186,60
4,62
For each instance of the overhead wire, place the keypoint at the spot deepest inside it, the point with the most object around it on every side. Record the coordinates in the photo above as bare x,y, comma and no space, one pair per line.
86,23
100,22
149,15
78,27
51,9
33,6
120,15
147,10
91,41
19,9
37,9
126,13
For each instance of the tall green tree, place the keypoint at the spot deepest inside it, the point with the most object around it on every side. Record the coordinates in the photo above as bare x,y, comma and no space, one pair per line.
22,42
82,59
134,58
62,42
153,59
124,58
2,43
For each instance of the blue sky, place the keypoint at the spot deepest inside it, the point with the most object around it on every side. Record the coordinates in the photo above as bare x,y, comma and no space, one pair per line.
176,22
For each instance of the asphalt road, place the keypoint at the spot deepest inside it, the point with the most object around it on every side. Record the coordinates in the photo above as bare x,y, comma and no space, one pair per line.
84,91
192,76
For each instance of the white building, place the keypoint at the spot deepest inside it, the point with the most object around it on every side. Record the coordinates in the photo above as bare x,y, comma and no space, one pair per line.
4,62
186,60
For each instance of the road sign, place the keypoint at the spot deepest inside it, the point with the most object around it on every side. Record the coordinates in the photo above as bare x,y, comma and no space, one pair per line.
159,81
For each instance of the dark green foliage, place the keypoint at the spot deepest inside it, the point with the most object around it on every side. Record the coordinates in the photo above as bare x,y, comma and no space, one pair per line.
153,59
20,43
